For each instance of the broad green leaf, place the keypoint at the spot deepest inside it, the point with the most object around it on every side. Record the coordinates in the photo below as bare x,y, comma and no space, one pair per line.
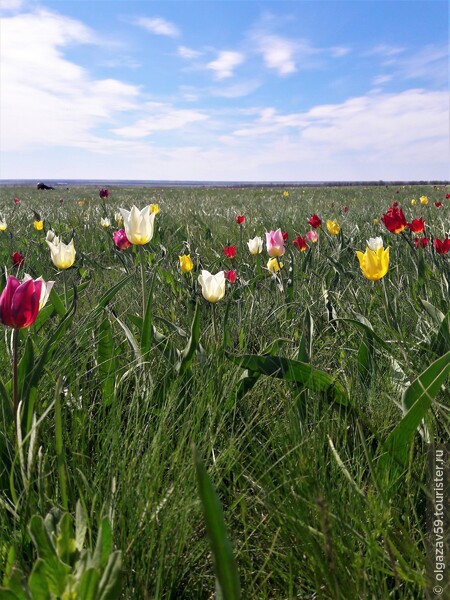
106,360
110,582
224,562
103,547
89,584
417,400
294,371
80,526
65,542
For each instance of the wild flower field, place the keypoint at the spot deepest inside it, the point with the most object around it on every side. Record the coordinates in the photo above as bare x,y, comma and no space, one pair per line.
190,410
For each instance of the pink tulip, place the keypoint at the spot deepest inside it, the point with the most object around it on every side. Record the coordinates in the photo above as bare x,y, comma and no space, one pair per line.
275,243
121,240
312,236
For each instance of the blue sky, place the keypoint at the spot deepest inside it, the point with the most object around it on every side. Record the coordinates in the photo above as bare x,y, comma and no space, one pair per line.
213,90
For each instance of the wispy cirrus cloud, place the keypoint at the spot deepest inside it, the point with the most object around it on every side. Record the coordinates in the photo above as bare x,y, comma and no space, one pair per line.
158,26
157,117
188,53
225,63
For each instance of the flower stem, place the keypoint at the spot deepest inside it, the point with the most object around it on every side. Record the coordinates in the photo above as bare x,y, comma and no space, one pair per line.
214,323
144,294
66,293
15,362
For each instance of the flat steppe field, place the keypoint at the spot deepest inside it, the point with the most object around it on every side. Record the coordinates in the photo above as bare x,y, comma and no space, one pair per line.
269,433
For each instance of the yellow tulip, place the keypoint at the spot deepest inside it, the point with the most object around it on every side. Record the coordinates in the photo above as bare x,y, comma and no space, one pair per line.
138,224
374,263
413,202
423,200
63,255
186,264
3,225
105,223
333,227
375,221
285,193
154,208
274,265
39,225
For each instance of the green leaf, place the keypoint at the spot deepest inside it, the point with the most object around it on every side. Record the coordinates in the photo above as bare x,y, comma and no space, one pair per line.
106,360
294,371
103,547
109,295
194,339
147,325
224,563
48,578
41,538
9,595
89,584
417,400
110,583
65,542
80,526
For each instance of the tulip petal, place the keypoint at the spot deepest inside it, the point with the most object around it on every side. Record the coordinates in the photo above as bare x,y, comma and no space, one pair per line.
6,301
25,303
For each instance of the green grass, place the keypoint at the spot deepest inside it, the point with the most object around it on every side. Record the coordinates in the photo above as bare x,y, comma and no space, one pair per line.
311,506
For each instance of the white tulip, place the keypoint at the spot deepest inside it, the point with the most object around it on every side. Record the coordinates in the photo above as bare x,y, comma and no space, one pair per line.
138,224
255,245
213,286
375,243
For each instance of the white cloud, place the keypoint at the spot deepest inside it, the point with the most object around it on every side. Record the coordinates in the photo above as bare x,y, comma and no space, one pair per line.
338,51
225,63
237,90
45,99
11,5
188,53
385,50
161,117
158,25
380,79
278,53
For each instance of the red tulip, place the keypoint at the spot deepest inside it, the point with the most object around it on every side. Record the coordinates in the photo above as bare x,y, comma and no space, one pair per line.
315,221
300,243
394,219
20,302
16,201
121,240
442,246
417,225
103,193
231,276
17,258
230,251
438,204
345,209
240,219
285,236
61,200
422,242
447,196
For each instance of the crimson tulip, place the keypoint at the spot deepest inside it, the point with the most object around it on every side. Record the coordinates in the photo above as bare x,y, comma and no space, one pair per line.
231,276
417,225
240,219
442,246
421,242
20,303
315,221
300,243
17,258
394,219
230,251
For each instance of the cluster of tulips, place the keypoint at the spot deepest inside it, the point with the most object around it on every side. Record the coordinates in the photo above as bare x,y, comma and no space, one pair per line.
21,302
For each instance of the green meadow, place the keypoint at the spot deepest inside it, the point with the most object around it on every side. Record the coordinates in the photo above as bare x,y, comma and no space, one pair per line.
271,445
